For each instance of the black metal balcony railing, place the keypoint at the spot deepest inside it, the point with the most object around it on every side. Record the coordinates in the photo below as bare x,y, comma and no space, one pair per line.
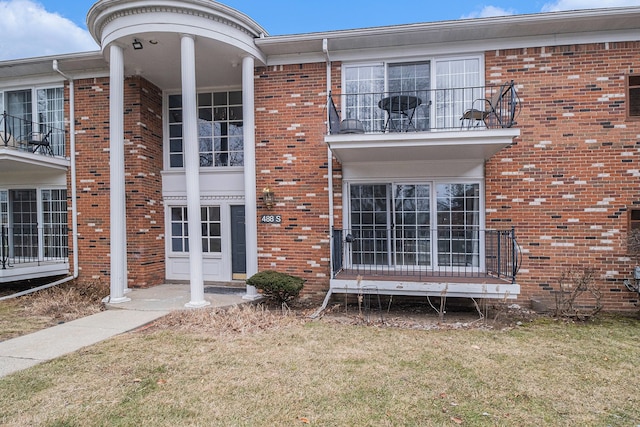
29,244
32,137
485,107
422,252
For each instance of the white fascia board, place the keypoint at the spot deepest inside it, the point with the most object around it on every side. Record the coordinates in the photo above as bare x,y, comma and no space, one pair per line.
457,48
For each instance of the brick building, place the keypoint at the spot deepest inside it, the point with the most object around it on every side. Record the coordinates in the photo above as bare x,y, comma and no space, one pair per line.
473,158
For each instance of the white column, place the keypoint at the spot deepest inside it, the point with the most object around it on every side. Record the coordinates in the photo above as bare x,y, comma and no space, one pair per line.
116,176
249,134
192,168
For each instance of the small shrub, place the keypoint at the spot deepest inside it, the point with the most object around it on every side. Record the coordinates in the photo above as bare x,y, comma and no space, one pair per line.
280,287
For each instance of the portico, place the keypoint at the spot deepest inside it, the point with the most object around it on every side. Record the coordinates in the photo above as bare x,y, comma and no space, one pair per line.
182,47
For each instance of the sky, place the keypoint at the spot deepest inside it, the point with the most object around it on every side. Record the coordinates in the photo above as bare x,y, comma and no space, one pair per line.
32,28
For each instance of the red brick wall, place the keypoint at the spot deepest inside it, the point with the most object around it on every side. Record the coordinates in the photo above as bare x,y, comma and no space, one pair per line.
567,182
143,163
292,161
92,161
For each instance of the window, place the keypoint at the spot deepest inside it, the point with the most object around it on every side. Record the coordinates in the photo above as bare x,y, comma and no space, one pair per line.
364,86
4,208
633,95
458,215
54,223
634,219
458,85
412,79
398,225
220,134
50,113
25,238
179,230
446,86
4,226
19,106
24,223
211,229
29,117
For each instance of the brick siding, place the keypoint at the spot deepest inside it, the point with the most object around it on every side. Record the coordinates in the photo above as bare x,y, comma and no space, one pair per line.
567,182
292,161
143,164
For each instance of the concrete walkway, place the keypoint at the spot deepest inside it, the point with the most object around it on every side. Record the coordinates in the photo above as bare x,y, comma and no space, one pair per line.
146,305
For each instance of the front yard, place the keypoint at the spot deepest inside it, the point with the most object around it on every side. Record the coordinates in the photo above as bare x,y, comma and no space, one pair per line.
251,367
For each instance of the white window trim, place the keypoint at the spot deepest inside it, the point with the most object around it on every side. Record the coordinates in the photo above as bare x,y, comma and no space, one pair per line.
165,129
225,234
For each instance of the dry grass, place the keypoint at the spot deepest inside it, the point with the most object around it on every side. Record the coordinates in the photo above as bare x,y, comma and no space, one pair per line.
49,307
232,321
253,367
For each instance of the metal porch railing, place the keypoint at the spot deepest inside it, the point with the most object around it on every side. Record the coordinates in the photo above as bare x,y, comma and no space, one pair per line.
482,107
33,244
32,137
422,252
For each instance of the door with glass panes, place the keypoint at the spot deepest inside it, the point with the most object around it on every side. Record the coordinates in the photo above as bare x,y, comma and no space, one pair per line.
424,225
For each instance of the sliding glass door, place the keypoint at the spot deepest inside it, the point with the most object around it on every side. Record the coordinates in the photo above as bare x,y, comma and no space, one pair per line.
24,218
34,225
415,224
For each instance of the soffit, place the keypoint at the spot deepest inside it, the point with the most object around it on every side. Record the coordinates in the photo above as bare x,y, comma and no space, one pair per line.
73,64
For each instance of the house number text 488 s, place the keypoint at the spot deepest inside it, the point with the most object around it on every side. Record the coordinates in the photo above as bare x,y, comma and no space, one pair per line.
271,219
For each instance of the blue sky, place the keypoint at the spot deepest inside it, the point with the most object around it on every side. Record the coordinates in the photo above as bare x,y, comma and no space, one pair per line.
58,26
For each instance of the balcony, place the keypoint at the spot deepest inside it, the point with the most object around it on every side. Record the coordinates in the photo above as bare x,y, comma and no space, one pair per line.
29,251
434,124
454,261
27,146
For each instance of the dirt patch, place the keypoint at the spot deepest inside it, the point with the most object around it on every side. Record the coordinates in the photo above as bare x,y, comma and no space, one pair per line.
255,318
431,316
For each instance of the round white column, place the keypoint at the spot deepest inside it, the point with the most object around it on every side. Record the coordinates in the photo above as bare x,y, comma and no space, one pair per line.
116,176
250,200
192,168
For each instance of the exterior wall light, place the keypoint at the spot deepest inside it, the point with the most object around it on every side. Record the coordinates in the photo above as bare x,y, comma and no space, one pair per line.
137,44
268,198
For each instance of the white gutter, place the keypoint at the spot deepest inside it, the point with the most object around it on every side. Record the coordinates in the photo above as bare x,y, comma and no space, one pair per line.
74,193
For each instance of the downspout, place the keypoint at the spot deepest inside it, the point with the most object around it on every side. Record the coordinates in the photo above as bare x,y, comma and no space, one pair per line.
74,205
325,50
72,152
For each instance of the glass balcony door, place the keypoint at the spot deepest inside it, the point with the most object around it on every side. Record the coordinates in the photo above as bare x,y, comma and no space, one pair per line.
24,224
399,225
